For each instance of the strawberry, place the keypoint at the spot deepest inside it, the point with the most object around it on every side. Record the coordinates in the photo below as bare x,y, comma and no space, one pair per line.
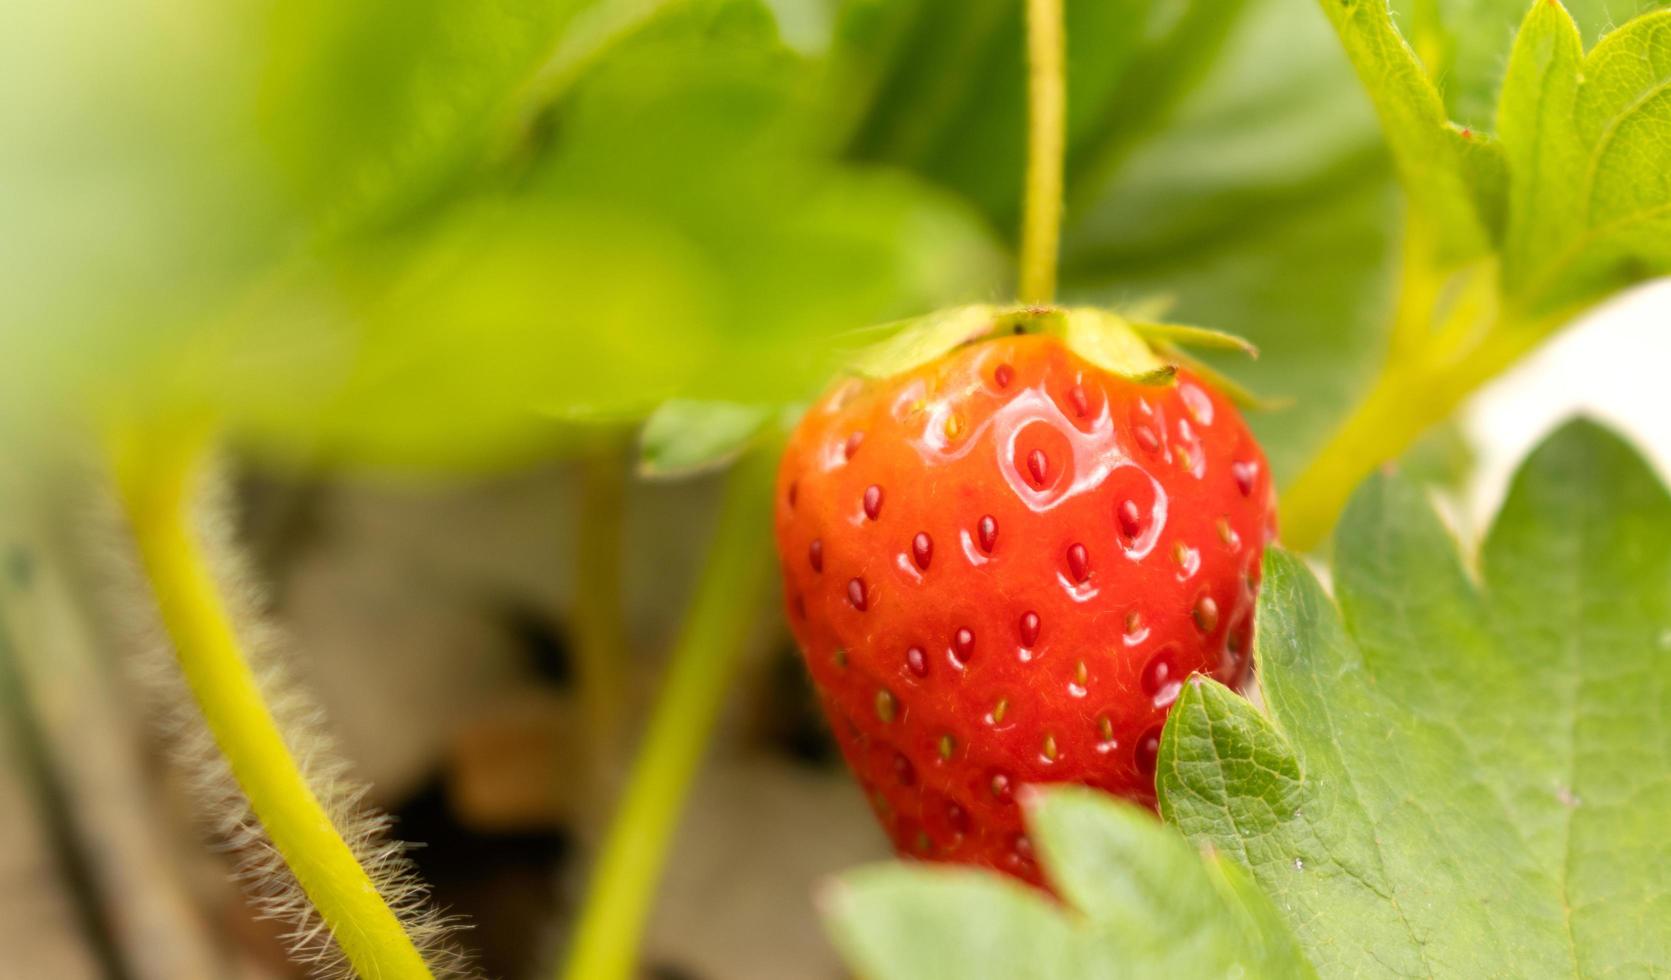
1001,564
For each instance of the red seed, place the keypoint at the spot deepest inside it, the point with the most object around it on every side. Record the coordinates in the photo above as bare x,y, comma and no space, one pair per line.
916,661
856,594
1079,563
1158,672
988,533
963,643
854,441
815,554
1146,438
1077,398
873,501
1003,375
1147,751
1038,467
1000,786
1245,473
1205,614
1029,628
922,550
1131,519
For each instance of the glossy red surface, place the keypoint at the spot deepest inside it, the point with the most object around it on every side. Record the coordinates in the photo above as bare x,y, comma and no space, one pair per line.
1000,568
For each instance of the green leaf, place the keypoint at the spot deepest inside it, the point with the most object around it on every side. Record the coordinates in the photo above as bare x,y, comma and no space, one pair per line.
1266,208
1589,200
679,231
1140,903
919,340
1464,44
1457,776
371,105
682,438
1108,341
938,86
1429,153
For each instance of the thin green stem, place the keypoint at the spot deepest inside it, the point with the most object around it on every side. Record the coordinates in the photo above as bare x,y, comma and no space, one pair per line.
155,477
1041,219
601,645
605,945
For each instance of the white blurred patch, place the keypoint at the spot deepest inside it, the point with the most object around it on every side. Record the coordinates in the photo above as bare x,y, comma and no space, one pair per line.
1613,365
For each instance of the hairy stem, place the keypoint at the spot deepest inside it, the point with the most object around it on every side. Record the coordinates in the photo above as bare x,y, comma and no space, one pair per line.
155,477
605,945
1041,219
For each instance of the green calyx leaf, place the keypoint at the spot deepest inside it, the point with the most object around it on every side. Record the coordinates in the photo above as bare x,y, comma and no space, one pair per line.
1108,341
1457,774
1105,339
1183,335
917,341
1140,902
682,438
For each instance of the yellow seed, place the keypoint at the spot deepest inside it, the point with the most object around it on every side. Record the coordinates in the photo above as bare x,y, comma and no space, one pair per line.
1050,747
885,706
840,657
1000,709
954,425
1105,728
1080,673
947,745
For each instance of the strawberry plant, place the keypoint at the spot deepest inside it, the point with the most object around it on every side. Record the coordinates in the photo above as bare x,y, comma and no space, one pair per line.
1022,542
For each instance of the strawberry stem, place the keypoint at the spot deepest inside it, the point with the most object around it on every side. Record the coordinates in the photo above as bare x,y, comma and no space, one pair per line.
155,477
1041,220
601,654
1446,343
723,611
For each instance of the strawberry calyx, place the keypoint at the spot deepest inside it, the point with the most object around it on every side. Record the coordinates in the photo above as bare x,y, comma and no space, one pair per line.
1144,351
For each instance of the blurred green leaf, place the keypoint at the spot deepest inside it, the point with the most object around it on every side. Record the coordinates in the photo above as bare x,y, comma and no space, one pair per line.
682,438
676,231
1139,902
1264,208
938,86
369,105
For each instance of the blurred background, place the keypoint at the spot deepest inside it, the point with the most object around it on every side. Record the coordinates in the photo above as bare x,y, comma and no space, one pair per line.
427,266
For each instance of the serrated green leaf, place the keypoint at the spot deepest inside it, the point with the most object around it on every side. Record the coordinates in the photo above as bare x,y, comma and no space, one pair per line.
1589,200
1430,158
1140,903
1464,44
682,438
1454,777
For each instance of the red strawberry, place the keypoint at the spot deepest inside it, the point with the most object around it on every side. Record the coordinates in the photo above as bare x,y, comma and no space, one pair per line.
1000,566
